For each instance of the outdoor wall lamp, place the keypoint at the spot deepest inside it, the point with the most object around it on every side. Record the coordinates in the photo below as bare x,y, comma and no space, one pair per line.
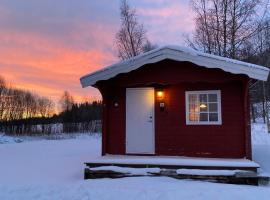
160,97
160,94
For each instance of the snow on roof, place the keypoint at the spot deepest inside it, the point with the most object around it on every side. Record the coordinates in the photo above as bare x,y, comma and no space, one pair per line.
177,53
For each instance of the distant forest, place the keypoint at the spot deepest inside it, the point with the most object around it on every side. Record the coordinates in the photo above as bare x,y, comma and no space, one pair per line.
23,112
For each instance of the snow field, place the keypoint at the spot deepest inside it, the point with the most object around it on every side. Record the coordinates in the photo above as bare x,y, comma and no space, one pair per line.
53,170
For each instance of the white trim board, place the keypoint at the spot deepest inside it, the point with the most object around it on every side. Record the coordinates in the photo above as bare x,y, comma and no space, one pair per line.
177,53
218,93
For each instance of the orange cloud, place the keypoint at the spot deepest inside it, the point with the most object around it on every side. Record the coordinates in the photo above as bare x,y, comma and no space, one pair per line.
34,62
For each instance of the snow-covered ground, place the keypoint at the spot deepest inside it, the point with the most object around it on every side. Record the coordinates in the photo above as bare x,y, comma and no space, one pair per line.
261,146
41,169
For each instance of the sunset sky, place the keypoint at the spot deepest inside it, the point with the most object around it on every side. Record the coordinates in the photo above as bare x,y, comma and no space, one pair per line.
47,45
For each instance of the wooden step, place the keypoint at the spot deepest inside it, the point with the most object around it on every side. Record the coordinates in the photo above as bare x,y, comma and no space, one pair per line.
236,177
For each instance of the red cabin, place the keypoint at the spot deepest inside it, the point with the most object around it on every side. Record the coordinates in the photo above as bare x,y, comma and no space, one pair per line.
175,101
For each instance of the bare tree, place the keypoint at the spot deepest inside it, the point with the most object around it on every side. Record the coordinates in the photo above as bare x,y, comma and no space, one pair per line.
17,104
2,96
24,112
224,26
258,51
66,101
148,46
45,107
2,84
30,104
131,38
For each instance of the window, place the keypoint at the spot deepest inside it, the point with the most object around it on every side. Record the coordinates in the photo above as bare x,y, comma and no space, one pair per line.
203,107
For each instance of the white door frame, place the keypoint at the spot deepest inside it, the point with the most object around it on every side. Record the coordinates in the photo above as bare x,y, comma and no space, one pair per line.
153,121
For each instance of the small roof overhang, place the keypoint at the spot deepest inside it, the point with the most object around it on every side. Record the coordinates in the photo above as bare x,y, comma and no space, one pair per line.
177,53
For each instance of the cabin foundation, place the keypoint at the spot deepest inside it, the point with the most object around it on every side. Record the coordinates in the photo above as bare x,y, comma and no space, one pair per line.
236,171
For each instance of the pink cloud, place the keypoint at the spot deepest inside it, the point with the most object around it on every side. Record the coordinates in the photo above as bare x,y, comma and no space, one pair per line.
168,23
40,63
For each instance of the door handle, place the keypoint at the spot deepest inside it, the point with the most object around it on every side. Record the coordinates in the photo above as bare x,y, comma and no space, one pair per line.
150,119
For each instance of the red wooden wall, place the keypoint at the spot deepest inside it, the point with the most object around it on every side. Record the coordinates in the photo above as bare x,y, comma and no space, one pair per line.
172,135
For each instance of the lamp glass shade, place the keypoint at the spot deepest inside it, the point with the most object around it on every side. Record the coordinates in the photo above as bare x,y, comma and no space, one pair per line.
160,94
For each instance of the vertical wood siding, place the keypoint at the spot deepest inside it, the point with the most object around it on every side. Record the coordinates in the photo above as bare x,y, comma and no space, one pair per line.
172,135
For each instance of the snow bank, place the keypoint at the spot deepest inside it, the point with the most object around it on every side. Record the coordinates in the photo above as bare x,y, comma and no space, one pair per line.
4,139
128,170
259,134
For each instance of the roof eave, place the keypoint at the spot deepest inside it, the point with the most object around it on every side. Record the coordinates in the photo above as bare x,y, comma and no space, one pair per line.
254,72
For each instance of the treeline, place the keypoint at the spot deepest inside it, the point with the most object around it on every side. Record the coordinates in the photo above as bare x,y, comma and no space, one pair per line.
25,113
82,117
17,104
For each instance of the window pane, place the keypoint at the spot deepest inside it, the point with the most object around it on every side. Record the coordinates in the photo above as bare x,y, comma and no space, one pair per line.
213,117
191,107
213,107
212,97
203,98
192,98
203,107
203,117
194,108
193,117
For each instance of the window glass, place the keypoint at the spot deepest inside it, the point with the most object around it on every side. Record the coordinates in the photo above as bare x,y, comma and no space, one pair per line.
203,117
203,107
203,97
192,108
213,117
194,117
212,97
192,98
213,107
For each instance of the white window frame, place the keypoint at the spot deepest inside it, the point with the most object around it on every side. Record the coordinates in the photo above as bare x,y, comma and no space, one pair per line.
218,92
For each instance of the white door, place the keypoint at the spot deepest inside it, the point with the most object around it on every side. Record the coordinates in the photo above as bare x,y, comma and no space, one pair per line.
140,138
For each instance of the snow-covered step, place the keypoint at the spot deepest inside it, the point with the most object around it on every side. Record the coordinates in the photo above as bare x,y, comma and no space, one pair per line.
128,170
173,162
204,172
225,176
